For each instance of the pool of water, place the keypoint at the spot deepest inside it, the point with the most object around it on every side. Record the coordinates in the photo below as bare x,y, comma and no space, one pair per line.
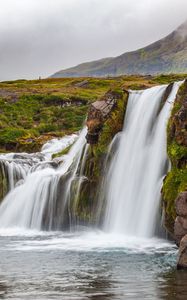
87,265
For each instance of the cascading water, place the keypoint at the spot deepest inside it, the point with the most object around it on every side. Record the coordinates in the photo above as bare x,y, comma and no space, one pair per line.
135,175
41,200
48,197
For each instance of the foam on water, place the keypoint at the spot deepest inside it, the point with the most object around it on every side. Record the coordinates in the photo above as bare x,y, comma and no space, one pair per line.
33,240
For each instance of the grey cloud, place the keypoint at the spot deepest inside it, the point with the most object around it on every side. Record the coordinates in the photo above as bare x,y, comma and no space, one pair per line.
39,37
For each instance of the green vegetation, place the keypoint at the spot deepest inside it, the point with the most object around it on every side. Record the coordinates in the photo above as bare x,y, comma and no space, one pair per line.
176,180
63,152
33,111
174,183
89,198
113,125
176,152
165,79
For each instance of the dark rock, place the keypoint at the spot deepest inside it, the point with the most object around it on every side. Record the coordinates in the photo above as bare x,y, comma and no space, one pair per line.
167,93
180,126
182,259
98,113
180,228
181,204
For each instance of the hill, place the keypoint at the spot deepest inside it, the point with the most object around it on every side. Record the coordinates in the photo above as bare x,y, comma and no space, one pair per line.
168,55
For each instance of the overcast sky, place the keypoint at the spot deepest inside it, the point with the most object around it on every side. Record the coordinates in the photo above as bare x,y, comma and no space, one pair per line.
40,37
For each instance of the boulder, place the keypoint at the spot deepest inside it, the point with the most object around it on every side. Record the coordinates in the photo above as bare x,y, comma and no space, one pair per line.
181,204
182,258
98,113
180,228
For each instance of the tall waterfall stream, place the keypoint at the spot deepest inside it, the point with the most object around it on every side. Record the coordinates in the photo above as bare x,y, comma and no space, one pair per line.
126,258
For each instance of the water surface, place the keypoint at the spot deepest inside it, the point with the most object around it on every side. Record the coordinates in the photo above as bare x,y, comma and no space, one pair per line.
87,265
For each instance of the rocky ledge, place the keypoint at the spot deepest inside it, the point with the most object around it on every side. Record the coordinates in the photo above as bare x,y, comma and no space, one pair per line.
180,229
98,113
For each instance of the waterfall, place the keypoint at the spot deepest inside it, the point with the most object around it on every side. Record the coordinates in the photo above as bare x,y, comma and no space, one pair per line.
41,201
45,193
13,172
137,169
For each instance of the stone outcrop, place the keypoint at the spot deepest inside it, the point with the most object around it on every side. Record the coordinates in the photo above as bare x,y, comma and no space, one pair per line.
98,113
174,189
105,120
180,227
179,122
3,181
182,257
175,183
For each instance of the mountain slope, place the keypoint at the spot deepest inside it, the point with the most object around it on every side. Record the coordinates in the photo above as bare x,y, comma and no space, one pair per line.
168,55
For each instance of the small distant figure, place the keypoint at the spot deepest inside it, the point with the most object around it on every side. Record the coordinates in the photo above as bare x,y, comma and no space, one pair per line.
40,78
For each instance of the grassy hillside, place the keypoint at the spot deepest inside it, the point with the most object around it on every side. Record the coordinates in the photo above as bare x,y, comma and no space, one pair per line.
32,112
168,55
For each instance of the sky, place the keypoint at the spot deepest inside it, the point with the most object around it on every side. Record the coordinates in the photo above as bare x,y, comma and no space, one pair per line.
40,37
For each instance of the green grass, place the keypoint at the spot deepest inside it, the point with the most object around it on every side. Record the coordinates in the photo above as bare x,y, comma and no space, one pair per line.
34,109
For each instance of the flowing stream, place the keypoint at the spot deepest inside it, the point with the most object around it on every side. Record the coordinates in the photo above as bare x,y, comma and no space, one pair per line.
124,260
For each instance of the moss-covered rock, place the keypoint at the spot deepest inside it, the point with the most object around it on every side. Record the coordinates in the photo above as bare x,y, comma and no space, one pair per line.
3,181
88,200
176,180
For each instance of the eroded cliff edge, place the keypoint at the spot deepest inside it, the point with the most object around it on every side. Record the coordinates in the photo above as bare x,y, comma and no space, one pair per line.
174,189
105,120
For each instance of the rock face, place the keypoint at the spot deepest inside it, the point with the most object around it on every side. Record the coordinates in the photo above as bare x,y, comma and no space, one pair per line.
179,122
98,113
182,258
105,120
175,184
180,227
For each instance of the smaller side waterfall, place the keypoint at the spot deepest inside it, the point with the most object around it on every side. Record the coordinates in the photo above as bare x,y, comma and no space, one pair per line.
41,201
137,169
13,172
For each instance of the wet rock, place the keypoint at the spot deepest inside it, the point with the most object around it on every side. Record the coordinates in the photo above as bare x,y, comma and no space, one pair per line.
180,226
167,93
180,125
44,165
182,258
180,229
181,204
34,156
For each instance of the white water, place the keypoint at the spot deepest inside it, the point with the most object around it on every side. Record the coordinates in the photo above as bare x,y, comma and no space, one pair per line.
34,202
135,175
138,167
16,166
56,145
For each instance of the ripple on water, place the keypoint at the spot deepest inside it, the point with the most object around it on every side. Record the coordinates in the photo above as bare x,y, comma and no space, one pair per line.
86,265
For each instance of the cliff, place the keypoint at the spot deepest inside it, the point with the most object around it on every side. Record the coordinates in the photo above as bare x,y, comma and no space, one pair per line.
176,180
105,120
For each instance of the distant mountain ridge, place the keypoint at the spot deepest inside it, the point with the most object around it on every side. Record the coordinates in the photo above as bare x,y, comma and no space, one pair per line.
168,55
